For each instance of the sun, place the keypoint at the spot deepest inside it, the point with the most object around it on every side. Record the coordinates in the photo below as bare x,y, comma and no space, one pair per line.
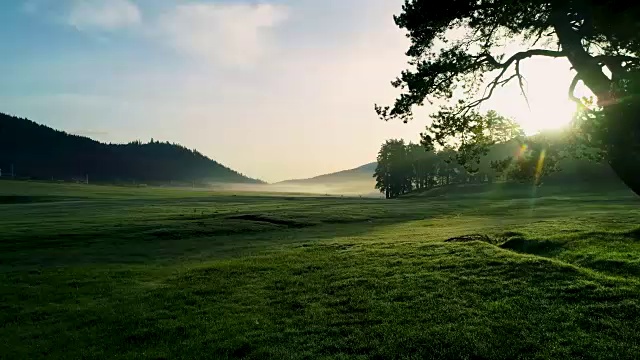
547,105
553,114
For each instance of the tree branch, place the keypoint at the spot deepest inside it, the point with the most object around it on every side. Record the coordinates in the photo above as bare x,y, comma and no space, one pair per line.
521,56
572,89
617,58
497,81
540,35
521,84
489,36
490,89
615,63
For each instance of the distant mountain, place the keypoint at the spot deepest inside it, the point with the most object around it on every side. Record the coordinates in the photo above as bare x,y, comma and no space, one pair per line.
358,181
359,173
39,152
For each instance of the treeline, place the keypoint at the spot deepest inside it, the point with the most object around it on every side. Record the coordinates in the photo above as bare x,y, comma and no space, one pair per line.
39,152
403,168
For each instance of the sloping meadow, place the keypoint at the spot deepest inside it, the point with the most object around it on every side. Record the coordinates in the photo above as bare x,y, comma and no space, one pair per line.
223,276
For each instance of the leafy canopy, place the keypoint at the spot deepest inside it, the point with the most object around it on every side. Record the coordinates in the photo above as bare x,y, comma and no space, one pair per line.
600,38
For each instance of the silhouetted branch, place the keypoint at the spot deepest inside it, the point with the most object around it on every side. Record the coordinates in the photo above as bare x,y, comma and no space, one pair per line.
572,89
521,84
498,81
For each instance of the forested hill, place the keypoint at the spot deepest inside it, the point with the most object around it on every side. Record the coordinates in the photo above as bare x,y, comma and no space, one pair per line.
39,152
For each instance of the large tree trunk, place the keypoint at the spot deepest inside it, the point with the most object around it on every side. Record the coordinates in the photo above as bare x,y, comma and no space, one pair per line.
628,174
585,65
622,141
621,110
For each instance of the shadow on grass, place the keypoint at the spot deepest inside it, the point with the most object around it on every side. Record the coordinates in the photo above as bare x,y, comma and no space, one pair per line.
633,234
21,199
614,266
533,247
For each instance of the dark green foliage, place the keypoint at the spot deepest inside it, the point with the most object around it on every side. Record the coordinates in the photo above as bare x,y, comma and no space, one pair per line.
545,157
601,40
550,157
39,152
393,169
404,168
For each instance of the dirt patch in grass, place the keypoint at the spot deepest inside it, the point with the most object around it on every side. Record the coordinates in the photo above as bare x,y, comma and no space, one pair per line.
270,220
471,237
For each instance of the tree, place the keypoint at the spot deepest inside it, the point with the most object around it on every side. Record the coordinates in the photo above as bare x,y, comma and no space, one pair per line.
394,172
417,172
404,168
383,171
600,39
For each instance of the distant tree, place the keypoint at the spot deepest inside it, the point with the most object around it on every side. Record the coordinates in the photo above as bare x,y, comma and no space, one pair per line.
416,173
600,38
401,168
404,168
424,166
382,172
447,168
394,171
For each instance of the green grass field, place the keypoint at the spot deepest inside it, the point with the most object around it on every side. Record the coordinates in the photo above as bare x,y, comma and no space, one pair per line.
142,273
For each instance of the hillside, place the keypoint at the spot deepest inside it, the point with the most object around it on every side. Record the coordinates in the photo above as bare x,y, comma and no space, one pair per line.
359,173
358,181
40,152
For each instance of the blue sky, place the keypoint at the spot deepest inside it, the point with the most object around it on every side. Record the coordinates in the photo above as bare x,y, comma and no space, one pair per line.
274,89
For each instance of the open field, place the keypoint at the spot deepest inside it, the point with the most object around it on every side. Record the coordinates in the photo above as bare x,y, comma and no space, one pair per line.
104,272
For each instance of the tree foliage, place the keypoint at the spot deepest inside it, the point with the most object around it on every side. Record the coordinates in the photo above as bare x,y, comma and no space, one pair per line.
599,38
472,134
403,168
538,159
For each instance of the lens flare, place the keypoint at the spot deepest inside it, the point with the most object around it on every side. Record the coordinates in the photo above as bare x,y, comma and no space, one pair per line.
539,166
522,151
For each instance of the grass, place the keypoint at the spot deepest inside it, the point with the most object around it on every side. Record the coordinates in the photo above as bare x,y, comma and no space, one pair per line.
106,272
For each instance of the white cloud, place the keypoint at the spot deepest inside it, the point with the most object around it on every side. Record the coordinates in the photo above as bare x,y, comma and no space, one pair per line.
229,34
105,15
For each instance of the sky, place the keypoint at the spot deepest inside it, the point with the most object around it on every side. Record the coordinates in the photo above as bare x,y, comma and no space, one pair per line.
274,89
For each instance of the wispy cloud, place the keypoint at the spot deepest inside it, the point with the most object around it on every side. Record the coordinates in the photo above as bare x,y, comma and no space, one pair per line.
103,15
223,33
228,34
